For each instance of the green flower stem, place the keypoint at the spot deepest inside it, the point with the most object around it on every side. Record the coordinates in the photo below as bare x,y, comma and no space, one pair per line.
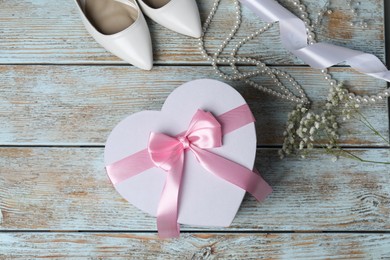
357,158
364,120
347,154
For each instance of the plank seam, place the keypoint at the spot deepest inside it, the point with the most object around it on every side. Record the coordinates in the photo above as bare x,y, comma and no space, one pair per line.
205,231
99,146
160,64
386,11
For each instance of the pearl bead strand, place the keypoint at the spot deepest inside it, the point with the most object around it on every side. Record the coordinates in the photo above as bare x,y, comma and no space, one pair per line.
261,68
312,39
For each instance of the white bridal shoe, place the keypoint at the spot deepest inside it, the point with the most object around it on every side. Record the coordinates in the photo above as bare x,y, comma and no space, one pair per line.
120,27
181,16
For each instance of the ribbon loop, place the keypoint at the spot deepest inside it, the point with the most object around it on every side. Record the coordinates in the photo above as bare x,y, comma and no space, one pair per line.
164,150
204,130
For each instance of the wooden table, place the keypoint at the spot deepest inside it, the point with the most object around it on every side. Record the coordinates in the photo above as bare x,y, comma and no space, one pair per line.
61,94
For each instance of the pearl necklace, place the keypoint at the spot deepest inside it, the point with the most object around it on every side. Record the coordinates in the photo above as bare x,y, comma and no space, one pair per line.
351,6
311,37
262,69
274,74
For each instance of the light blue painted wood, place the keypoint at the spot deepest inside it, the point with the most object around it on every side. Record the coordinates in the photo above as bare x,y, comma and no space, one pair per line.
72,106
195,246
68,189
81,104
41,31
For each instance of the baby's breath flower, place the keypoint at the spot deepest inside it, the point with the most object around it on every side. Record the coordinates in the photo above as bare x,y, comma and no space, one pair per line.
281,154
300,133
305,126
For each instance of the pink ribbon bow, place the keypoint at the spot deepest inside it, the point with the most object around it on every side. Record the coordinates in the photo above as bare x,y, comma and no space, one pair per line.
167,153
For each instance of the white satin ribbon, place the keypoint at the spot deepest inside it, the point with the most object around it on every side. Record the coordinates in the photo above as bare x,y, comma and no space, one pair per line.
319,55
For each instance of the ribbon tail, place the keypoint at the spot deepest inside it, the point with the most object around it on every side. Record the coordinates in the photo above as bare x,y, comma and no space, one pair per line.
167,212
233,173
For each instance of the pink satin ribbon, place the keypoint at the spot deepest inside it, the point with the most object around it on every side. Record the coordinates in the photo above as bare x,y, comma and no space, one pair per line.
319,55
166,152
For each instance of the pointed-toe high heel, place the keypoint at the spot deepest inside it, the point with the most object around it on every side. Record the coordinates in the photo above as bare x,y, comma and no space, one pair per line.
120,27
181,16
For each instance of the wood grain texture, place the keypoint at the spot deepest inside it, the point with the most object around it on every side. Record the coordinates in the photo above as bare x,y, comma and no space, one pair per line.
80,105
67,93
194,246
67,189
40,32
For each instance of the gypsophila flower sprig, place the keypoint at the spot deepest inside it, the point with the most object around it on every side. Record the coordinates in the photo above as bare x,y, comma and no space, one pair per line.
305,130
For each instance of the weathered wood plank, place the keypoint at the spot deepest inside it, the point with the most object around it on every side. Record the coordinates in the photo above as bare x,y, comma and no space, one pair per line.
67,189
40,32
40,188
81,104
194,246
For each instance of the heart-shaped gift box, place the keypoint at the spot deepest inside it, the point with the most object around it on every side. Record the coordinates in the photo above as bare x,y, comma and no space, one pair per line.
204,199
